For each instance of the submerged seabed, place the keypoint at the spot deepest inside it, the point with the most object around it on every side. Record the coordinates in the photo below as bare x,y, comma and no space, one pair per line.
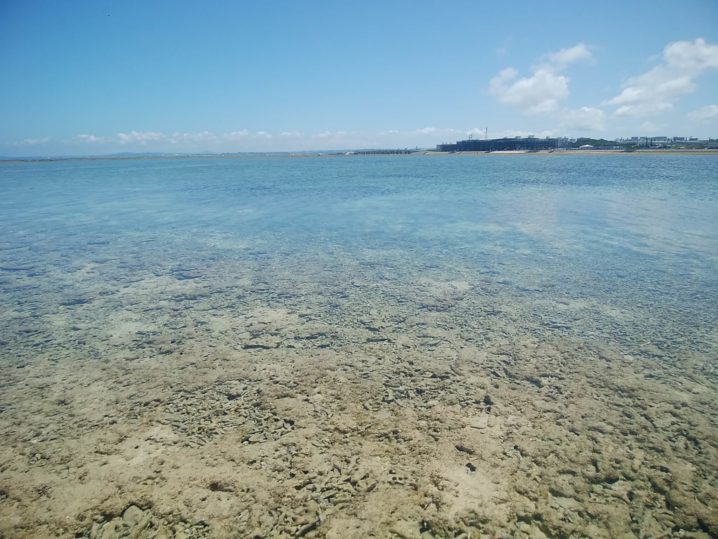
355,347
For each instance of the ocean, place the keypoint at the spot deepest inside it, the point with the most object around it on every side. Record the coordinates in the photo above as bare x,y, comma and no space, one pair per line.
340,346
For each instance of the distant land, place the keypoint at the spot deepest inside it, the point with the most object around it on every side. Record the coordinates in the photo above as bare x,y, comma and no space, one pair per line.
469,146
563,143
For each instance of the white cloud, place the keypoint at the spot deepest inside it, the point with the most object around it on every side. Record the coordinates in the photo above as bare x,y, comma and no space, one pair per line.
705,114
92,139
263,141
658,89
236,135
652,92
584,119
511,133
565,57
36,141
543,91
330,135
140,137
650,127
200,137
503,79
421,136
178,138
694,56
476,132
540,93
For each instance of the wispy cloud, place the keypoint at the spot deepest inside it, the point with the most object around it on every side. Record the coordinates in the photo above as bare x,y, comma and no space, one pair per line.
565,57
237,136
246,140
199,137
149,138
649,127
706,114
140,137
543,91
478,132
92,139
36,141
325,135
658,89
583,119
540,93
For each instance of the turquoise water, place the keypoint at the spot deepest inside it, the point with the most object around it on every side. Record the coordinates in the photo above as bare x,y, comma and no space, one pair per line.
510,346
634,238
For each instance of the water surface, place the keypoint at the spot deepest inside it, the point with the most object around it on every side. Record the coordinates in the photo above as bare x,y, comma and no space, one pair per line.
344,346
634,235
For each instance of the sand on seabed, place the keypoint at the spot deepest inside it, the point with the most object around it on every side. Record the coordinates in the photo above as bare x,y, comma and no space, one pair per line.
244,405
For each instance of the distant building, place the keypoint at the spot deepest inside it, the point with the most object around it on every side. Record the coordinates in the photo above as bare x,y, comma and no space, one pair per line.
500,145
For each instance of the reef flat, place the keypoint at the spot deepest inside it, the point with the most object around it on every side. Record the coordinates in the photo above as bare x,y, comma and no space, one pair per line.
160,382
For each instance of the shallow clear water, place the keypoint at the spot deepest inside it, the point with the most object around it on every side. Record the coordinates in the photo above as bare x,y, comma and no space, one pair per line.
511,346
628,243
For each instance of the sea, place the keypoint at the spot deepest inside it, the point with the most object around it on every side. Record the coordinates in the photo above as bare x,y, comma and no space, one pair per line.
631,234
152,262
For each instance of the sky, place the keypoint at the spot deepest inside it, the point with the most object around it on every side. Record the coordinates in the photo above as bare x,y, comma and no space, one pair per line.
98,77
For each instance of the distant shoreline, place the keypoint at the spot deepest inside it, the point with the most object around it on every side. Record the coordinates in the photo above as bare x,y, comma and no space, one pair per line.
575,152
355,154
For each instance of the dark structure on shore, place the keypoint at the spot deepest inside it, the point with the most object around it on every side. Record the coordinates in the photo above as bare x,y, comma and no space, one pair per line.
500,145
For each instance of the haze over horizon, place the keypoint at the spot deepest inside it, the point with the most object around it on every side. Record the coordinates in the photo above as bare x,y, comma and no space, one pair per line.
88,78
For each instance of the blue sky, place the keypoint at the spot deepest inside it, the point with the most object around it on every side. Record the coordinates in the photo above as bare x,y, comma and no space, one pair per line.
93,77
